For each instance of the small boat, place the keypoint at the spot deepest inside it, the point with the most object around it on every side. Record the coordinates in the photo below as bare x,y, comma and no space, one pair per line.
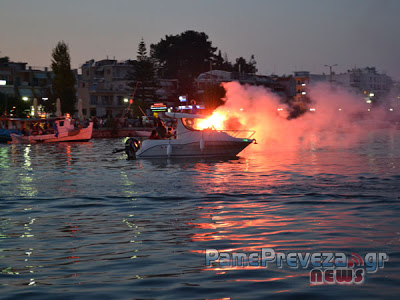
54,130
5,134
189,142
7,126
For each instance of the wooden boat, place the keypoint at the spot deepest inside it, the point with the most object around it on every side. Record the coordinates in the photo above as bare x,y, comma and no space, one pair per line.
53,130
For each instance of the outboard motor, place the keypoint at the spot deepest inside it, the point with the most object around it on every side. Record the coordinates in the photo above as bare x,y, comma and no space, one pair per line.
131,146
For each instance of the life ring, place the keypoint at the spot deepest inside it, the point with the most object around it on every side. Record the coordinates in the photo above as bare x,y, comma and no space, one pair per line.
189,122
132,145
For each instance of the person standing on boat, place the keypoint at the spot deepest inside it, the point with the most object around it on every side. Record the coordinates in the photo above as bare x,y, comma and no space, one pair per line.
194,107
55,129
154,135
160,127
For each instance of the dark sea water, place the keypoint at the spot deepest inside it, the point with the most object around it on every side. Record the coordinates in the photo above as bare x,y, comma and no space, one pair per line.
79,222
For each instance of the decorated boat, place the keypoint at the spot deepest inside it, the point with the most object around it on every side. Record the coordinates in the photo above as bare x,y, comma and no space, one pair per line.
61,129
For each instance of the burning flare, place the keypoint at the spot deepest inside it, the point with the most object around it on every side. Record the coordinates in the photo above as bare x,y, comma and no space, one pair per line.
215,121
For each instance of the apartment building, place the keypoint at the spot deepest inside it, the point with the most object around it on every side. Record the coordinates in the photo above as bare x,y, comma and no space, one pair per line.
104,87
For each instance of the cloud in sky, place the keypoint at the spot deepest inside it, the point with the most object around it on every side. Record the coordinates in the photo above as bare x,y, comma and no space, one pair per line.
284,36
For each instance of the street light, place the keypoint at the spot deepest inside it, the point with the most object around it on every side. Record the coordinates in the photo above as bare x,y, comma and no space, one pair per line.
25,98
330,71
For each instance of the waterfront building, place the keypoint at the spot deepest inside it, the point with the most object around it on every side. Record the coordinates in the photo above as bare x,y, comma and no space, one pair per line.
284,86
104,88
17,80
367,81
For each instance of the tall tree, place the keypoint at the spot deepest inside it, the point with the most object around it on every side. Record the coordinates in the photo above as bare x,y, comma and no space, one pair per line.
243,66
64,79
143,79
222,62
183,57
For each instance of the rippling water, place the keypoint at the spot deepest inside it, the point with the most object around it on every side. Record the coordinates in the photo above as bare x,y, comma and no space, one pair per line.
77,221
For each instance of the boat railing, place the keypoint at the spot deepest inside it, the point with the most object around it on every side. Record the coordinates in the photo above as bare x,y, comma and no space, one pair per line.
244,134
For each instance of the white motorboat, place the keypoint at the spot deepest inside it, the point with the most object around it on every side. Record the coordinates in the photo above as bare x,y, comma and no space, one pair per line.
54,130
189,142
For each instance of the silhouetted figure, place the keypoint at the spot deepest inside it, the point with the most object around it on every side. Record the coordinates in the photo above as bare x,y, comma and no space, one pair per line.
154,135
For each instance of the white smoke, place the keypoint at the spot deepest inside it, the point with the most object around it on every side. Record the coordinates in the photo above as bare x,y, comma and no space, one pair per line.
340,118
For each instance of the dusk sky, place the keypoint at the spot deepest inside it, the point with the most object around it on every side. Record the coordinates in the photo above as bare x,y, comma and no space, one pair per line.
284,35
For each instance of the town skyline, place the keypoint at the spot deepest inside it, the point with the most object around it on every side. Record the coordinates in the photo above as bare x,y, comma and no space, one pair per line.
284,36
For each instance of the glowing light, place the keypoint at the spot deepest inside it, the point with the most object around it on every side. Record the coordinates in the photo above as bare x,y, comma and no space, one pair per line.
303,93
340,109
303,84
312,109
391,109
280,109
126,100
25,98
369,109
3,82
369,101
241,109
158,107
216,120
371,94
45,99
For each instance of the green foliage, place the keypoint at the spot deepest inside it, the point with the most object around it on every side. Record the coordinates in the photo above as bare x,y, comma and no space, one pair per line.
183,57
212,97
222,63
64,79
243,66
143,80
4,60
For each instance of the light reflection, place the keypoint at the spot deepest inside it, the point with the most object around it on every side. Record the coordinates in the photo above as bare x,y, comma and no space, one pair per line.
69,155
27,158
4,158
264,219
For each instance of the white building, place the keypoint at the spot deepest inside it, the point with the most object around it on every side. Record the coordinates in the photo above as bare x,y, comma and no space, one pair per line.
365,81
103,86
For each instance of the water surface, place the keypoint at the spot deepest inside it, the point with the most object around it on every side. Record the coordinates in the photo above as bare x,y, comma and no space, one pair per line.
77,221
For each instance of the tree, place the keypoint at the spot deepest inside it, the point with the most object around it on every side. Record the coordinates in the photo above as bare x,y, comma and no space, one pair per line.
64,79
4,60
183,57
143,79
243,66
222,63
212,97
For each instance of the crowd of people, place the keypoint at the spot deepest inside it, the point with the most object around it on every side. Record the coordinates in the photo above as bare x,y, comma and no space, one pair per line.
160,131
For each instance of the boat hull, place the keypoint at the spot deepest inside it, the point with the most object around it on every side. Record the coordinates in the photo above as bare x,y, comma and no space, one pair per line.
82,135
193,149
5,135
